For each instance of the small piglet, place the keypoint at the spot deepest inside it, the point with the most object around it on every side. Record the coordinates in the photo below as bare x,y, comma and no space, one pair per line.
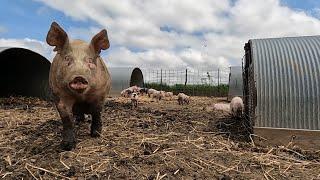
157,95
163,94
169,95
134,100
79,81
151,92
134,88
143,91
183,99
126,93
236,107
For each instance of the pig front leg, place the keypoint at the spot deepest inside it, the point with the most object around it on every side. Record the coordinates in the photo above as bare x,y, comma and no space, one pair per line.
68,136
96,124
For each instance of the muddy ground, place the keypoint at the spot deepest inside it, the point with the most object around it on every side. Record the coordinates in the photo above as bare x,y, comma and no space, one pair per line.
154,141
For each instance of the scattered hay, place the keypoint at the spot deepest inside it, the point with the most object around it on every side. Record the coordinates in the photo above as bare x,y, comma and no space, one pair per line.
154,141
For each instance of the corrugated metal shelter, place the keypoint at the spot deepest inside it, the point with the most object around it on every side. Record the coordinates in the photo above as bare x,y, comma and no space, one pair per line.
281,82
235,82
124,77
23,72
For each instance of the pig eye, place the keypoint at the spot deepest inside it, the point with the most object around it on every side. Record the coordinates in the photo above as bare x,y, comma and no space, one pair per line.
91,63
68,59
90,60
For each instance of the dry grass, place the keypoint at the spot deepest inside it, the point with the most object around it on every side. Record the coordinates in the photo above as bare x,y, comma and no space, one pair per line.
154,141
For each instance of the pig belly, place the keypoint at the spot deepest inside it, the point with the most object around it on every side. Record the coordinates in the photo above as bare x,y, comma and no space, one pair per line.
82,108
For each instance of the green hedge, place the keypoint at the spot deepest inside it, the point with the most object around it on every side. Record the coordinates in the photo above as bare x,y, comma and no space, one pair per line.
193,90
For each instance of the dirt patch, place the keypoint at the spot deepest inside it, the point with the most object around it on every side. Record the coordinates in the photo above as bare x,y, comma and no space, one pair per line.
154,141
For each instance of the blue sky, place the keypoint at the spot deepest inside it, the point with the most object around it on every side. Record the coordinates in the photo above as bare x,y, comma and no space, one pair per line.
145,34
26,18
305,5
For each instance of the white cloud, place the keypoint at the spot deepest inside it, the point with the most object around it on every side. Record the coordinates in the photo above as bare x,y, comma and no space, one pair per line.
85,34
174,33
32,44
151,58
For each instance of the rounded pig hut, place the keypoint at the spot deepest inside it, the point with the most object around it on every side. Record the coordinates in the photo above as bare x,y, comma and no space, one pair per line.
23,73
235,82
281,85
124,77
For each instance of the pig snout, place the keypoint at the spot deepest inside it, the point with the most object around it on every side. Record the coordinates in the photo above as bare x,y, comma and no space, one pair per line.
79,84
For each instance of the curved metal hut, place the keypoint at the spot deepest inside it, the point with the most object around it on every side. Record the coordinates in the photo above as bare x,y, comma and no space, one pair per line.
282,82
124,77
23,73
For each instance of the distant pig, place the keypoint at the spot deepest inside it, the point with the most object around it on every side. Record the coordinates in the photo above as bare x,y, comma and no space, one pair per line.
151,92
169,95
236,107
134,100
163,94
183,99
221,107
157,95
79,81
126,93
143,91
134,88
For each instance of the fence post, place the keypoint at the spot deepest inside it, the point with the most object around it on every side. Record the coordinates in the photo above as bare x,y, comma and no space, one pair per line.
219,82
185,82
157,76
161,79
218,77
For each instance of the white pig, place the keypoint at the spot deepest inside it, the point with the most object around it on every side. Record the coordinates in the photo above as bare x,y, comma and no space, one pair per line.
151,92
221,107
183,99
169,95
158,95
134,100
126,93
134,88
236,107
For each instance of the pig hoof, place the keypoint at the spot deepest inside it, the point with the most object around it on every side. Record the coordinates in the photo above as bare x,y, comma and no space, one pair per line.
68,146
95,133
95,130
79,119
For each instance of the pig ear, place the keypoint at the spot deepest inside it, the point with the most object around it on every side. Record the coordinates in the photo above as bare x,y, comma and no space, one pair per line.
100,41
56,37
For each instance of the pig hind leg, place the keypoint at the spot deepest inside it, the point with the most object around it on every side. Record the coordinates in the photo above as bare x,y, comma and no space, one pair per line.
96,124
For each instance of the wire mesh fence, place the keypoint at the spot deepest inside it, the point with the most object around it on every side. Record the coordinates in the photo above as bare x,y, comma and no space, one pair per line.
192,81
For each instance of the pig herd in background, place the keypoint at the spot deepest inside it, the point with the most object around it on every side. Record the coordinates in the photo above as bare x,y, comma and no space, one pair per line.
235,108
134,92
